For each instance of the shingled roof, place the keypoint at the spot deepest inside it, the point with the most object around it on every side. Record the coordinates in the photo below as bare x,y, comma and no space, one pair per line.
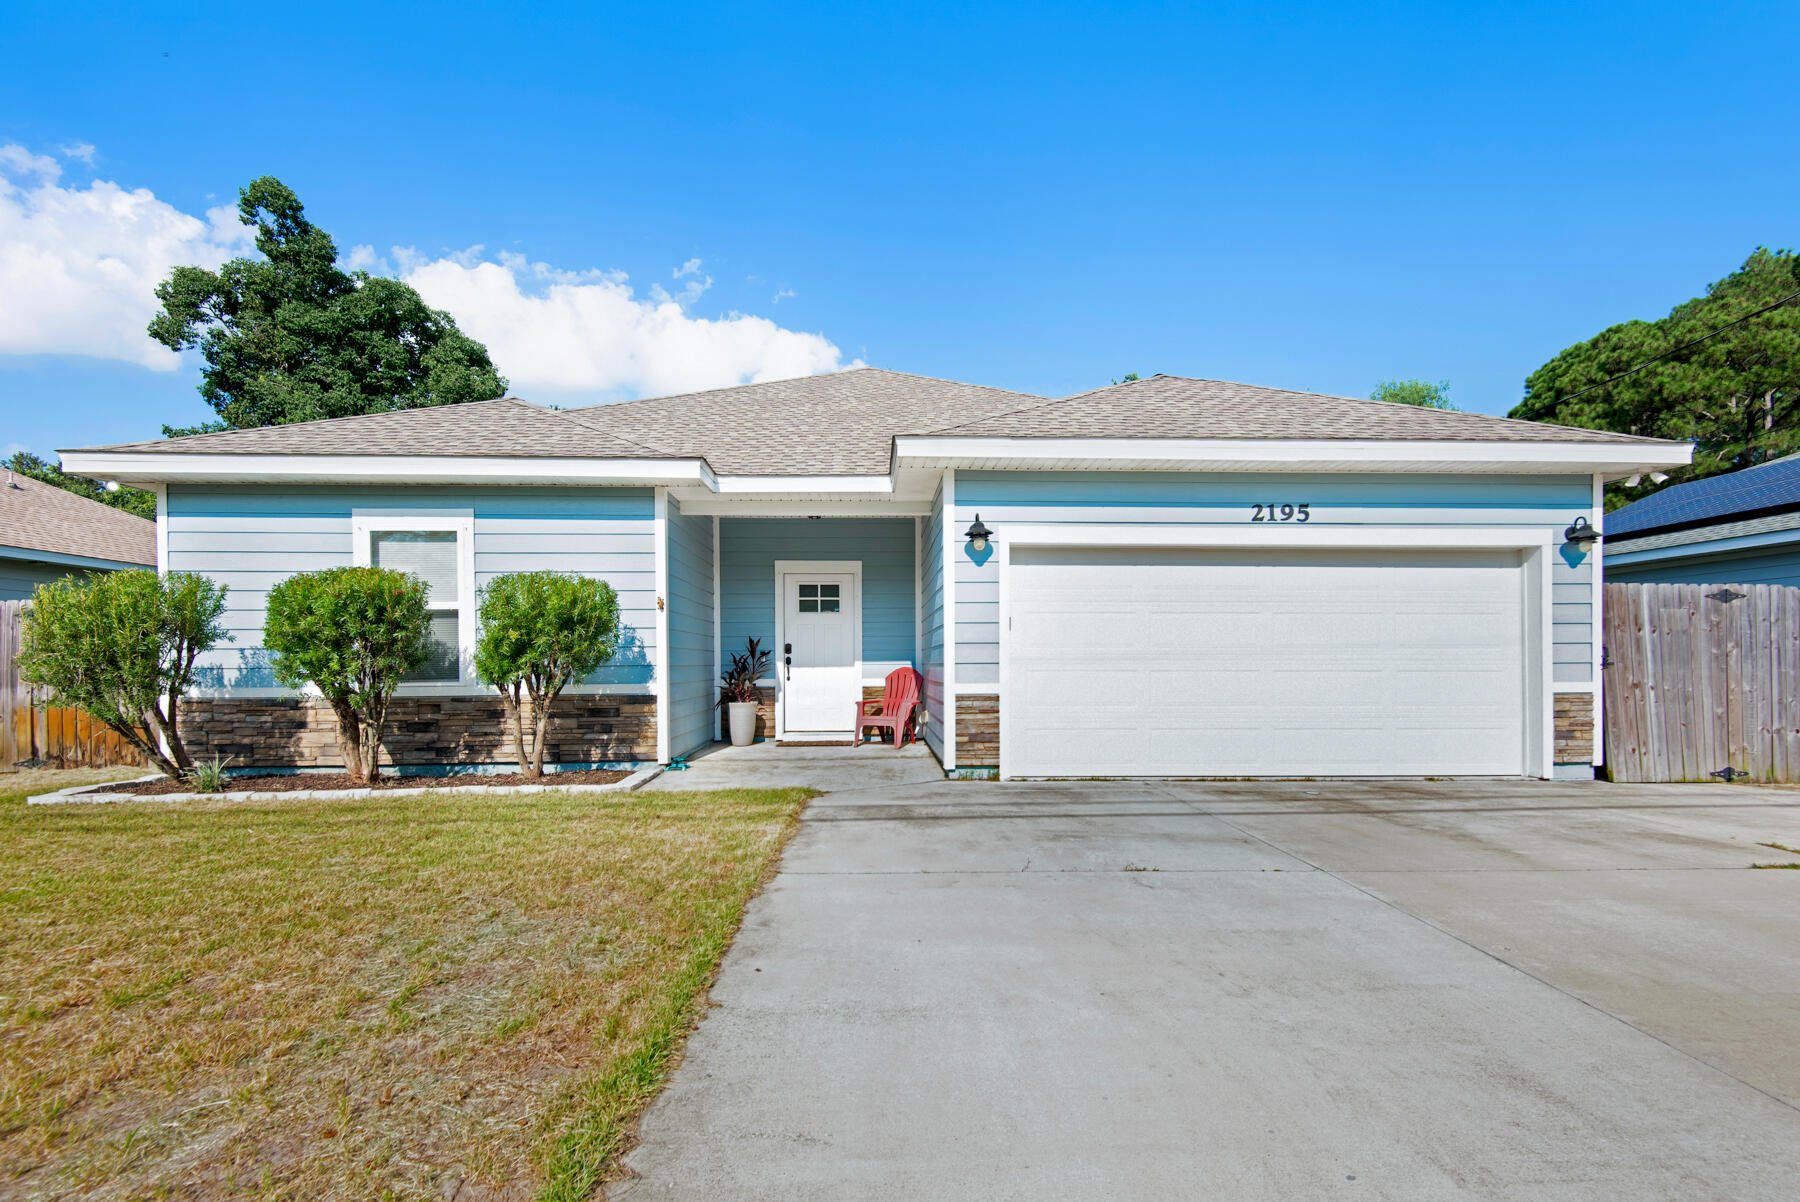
507,427
40,517
830,425
1179,407
844,423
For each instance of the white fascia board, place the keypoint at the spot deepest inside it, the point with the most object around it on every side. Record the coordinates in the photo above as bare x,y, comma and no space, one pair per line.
58,559
752,486
168,467
1298,454
834,507
1307,537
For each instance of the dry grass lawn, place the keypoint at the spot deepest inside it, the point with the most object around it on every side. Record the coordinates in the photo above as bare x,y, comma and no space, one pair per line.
430,997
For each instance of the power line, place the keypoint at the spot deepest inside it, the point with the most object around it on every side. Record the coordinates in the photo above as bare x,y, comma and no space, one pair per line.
1677,350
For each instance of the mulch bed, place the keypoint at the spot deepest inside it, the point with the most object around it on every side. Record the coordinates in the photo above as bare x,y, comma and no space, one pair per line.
291,782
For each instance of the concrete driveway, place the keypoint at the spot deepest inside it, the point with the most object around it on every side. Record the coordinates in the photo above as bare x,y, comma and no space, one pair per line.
1244,991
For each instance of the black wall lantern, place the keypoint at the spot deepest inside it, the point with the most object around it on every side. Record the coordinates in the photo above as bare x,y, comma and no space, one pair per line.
978,536
1582,534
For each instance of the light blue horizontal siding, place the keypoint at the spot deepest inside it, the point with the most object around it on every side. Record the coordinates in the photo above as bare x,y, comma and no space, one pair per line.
931,623
1196,498
251,538
19,578
1739,567
749,547
691,694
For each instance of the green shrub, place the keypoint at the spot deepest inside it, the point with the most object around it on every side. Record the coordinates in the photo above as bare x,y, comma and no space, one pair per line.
122,646
541,632
353,633
209,775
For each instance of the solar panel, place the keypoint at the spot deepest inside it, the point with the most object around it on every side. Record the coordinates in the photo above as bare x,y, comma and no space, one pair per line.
1765,486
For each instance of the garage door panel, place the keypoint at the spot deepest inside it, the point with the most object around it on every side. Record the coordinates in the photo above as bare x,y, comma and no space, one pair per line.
1181,662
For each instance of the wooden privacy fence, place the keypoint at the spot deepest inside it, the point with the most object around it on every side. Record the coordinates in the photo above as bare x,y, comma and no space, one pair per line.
1702,682
60,735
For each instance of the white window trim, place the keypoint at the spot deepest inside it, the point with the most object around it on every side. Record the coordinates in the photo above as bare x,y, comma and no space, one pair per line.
462,522
1535,543
807,567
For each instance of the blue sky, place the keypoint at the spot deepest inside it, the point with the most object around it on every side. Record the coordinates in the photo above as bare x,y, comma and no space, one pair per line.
1039,197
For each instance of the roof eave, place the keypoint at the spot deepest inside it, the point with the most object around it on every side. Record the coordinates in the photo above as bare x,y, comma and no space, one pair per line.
163,467
1612,460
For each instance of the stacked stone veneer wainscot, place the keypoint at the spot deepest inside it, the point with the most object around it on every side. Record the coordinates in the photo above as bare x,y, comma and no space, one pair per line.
978,732
1574,728
301,732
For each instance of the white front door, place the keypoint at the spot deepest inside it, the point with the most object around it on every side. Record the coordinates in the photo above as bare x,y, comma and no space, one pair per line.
819,680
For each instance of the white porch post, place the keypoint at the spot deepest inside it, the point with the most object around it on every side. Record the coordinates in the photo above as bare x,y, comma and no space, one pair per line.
949,575
718,648
662,624
1598,520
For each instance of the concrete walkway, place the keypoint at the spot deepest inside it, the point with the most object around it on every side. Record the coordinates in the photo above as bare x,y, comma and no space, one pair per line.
1246,991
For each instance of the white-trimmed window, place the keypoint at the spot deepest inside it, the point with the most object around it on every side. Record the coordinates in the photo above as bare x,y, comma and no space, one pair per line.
439,548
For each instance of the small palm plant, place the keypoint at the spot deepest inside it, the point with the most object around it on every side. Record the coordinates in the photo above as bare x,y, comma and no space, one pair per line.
209,775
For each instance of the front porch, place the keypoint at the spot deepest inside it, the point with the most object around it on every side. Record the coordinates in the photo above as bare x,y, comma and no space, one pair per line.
769,765
837,603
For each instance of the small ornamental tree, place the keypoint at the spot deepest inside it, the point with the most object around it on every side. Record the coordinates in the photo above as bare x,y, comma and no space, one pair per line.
541,632
122,646
354,633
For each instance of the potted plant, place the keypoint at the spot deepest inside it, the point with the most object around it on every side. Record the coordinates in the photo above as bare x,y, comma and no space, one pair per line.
738,695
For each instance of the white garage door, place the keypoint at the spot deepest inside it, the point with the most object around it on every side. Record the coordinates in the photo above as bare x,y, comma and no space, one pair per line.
1132,662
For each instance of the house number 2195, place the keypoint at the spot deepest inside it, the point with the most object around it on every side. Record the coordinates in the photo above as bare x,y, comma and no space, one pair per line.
1282,513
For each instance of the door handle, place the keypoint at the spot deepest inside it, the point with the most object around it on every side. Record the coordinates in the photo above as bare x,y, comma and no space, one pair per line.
787,652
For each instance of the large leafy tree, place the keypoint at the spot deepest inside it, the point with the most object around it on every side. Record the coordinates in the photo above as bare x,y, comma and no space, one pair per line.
131,500
291,336
1736,393
1422,393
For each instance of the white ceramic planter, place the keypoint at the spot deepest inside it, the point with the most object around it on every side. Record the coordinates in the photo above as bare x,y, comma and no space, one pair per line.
743,722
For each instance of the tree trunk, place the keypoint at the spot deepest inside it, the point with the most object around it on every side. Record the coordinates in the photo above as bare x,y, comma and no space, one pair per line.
172,734
541,713
511,701
350,742
151,746
373,720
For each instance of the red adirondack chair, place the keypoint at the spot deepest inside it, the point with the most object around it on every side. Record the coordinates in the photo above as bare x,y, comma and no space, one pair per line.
900,696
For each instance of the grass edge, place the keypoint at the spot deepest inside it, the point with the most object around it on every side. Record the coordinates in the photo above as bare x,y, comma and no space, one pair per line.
588,1153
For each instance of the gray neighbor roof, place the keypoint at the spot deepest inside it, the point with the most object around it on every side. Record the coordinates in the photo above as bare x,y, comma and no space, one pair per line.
844,423
35,516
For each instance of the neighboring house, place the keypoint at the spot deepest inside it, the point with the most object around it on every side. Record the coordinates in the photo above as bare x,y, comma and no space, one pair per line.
47,533
1184,577
1739,528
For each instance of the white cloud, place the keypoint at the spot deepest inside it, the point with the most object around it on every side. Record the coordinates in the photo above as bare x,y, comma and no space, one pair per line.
79,266
17,161
78,150
781,294
559,332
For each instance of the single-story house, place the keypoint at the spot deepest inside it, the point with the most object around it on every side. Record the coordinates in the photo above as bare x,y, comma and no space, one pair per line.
47,533
1181,577
1739,528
